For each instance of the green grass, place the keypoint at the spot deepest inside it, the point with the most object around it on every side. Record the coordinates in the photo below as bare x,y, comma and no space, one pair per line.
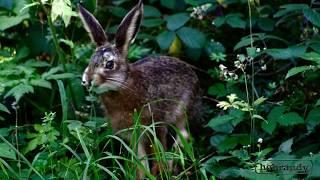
81,155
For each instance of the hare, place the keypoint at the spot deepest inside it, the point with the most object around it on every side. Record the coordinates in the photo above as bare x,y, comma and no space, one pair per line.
169,86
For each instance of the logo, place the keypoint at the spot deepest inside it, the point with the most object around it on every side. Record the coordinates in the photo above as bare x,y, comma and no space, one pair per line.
293,166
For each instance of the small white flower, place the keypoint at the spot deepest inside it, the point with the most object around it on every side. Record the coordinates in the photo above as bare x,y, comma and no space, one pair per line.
238,64
236,77
258,50
222,67
264,67
232,97
260,140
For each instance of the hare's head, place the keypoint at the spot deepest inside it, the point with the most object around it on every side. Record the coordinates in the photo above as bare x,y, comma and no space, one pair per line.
108,65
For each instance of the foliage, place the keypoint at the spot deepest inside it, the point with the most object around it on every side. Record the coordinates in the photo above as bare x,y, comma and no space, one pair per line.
261,62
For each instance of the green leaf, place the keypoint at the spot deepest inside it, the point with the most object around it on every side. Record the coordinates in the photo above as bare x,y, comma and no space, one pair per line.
216,139
52,71
7,152
241,154
228,143
288,8
19,90
311,56
168,4
266,24
287,53
117,11
312,15
165,39
220,120
290,119
219,21
61,76
216,159
297,70
313,118
269,126
273,117
191,37
41,83
286,146
4,132
152,22
7,4
4,108
259,101
63,100
235,21
151,11
256,37
176,21
318,102
10,21
63,9
32,145
217,89
232,141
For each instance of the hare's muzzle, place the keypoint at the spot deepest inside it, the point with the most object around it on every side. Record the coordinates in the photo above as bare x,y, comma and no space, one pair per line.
85,78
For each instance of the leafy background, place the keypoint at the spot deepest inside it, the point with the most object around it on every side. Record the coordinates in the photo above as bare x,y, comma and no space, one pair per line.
258,63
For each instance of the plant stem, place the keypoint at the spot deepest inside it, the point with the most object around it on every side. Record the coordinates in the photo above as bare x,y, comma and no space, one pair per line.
252,79
54,34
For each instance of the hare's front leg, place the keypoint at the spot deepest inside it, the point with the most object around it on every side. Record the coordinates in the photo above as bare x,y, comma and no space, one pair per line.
142,155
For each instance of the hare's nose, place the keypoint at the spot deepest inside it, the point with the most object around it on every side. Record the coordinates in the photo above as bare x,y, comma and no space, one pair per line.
84,83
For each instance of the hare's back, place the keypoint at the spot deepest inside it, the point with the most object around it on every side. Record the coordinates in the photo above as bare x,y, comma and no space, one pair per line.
166,70
166,77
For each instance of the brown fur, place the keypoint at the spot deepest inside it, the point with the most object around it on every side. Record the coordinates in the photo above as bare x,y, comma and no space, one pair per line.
163,88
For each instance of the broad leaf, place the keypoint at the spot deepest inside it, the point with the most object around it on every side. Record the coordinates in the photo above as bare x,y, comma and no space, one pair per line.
4,108
61,76
19,90
313,118
191,37
287,53
290,119
312,15
266,24
41,83
272,119
311,56
7,4
10,21
168,4
286,146
176,21
218,90
152,22
63,9
7,152
165,39
235,21
297,70
151,11
220,120
288,8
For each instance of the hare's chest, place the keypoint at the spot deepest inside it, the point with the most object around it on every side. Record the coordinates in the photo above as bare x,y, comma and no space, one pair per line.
120,110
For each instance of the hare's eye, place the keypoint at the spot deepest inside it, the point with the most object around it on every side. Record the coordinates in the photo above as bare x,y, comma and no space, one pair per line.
109,65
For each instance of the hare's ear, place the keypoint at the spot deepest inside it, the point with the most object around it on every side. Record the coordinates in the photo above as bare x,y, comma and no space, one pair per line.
92,26
129,28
